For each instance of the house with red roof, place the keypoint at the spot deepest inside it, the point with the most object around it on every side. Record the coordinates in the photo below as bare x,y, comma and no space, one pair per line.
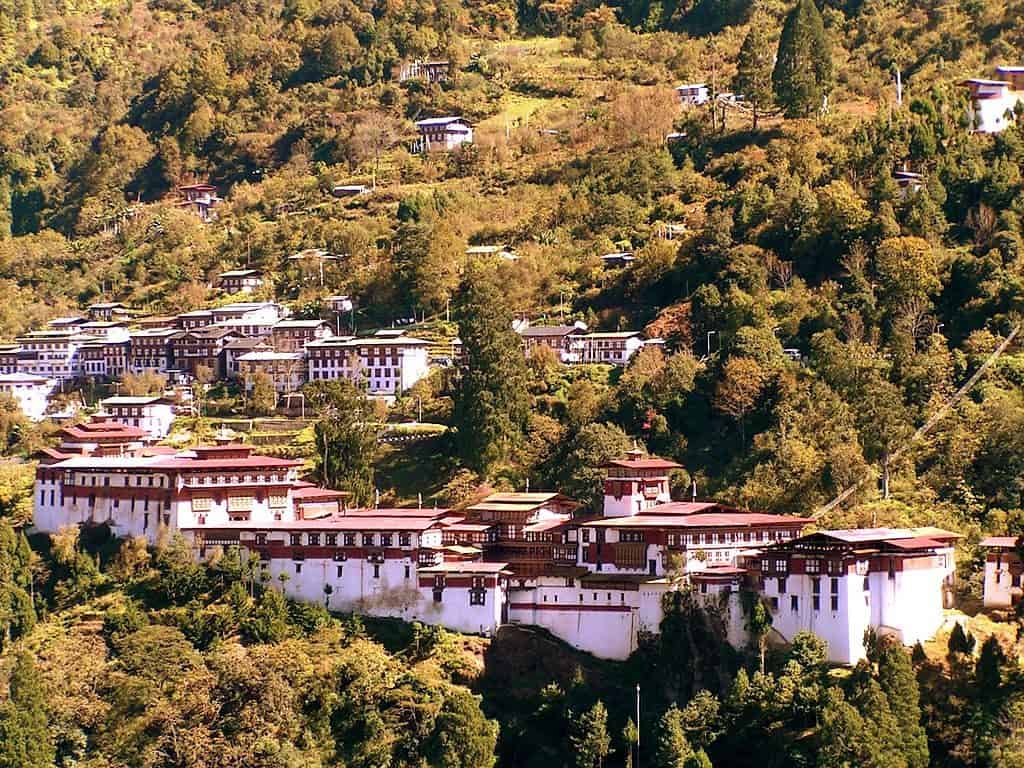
1004,571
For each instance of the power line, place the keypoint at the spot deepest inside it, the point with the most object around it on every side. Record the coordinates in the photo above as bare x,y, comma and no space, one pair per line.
925,428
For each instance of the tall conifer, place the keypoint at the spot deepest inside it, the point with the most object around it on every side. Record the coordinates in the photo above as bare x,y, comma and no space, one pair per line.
803,67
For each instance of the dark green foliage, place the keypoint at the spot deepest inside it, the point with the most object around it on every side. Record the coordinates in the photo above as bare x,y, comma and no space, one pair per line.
491,408
803,67
25,738
347,435
589,737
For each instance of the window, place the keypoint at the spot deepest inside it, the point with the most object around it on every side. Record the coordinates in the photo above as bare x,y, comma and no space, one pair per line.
835,603
816,586
367,539
376,570
340,570
816,602
794,603
404,540
835,566
313,539
703,587
261,539
833,587
477,596
782,585
350,539
438,594
586,535
813,565
331,539
774,603
298,567
385,539
780,566
631,536
407,571
296,539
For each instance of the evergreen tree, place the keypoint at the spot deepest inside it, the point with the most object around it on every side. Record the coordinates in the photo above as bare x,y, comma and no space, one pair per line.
491,407
25,738
897,679
960,641
589,738
754,68
672,750
346,435
803,67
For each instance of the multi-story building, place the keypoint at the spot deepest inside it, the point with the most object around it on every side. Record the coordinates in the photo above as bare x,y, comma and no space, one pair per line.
52,354
9,354
1004,571
31,393
993,103
443,134
151,350
837,584
235,348
384,365
294,335
153,415
240,280
108,311
201,199
201,347
287,370
612,347
563,340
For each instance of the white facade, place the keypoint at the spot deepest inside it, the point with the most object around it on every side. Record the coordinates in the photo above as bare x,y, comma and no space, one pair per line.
1004,572
693,94
52,354
240,281
611,348
443,134
383,365
152,414
31,393
993,102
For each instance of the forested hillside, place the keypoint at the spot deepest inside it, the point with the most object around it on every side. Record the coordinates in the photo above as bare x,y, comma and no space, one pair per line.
815,313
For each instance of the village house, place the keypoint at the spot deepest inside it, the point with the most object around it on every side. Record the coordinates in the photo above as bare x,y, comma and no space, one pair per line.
152,414
294,335
92,361
617,260
235,348
1004,572
612,347
349,190
693,94
30,392
563,340
109,311
492,251
151,350
385,365
443,134
287,370
9,357
430,71
993,103
201,199
202,347
240,280
52,354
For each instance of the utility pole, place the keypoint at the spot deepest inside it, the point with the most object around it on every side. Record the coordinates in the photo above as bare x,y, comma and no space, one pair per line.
710,334
637,762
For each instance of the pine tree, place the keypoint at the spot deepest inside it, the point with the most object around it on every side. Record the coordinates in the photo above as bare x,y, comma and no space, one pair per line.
803,67
590,740
897,679
960,641
491,408
754,68
25,738
672,750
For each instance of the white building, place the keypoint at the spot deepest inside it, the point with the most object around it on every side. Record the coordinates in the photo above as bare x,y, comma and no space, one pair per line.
443,134
52,354
287,370
693,94
612,347
384,365
154,415
993,102
240,280
837,584
1004,572
30,392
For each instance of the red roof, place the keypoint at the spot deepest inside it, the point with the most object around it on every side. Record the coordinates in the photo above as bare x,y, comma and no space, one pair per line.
682,508
312,493
642,464
917,542
700,520
343,523
104,431
1009,542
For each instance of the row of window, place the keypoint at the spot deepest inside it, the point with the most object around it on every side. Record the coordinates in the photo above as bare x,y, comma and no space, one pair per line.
71,479
348,539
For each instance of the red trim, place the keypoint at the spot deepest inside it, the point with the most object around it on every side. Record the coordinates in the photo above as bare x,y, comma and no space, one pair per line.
581,607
